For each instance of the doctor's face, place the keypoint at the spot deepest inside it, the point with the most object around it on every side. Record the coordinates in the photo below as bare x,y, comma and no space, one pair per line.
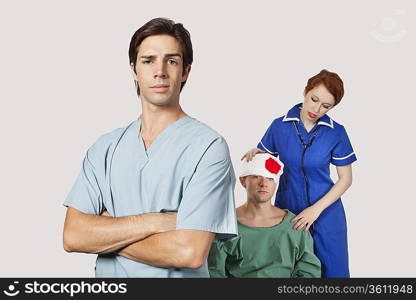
159,70
318,101
259,189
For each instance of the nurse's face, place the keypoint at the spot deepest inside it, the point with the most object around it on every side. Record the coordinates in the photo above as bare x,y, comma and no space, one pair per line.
159,70
318,101
259,188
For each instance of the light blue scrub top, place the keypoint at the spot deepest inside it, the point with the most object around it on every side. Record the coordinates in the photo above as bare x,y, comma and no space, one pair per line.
187,168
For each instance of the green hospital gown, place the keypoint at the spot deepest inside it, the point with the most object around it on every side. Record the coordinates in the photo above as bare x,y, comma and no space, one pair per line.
277,251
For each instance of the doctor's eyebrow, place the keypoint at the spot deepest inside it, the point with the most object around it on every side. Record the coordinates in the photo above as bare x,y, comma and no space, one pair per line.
146,56
173,55
166,55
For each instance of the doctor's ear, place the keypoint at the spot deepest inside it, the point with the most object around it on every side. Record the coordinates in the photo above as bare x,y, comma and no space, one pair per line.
133,71
186,72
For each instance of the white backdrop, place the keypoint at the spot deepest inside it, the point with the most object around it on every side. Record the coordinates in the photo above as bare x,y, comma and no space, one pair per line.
65,81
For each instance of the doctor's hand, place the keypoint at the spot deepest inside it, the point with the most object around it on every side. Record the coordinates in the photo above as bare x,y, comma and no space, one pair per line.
250,154
306,218
105,214
164,221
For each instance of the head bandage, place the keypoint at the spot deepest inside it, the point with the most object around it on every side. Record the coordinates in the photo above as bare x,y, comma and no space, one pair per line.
262,164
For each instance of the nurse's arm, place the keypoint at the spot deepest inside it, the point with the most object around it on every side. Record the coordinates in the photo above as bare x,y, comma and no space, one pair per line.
340,187
179,248
103,234
309,215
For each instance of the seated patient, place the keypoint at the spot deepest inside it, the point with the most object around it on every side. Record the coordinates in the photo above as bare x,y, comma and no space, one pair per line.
267,245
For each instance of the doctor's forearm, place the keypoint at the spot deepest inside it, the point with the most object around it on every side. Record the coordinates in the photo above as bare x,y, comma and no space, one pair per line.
178,248
100,234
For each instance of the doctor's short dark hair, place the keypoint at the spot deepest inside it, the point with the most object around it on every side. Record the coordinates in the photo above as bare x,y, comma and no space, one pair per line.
162,26
332,82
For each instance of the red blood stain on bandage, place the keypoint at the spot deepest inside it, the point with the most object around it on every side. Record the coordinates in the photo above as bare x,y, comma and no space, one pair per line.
273,166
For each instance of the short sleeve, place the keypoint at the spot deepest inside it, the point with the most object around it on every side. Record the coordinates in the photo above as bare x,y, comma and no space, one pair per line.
208,200
343,154
307,263
268,143
85,194
216,260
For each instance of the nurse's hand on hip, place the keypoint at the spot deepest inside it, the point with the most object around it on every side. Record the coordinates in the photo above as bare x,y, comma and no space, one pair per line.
250,154
306,218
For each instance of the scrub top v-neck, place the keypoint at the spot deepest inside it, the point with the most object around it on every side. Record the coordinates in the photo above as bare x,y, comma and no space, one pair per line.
162,136
187,169
306,179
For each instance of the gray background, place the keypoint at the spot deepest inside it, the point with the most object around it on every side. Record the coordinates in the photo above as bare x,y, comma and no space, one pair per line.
65,81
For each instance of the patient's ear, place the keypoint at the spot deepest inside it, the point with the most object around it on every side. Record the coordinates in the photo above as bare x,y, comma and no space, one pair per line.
243,181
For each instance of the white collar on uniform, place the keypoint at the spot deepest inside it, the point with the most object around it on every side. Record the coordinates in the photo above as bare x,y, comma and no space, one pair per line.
294,115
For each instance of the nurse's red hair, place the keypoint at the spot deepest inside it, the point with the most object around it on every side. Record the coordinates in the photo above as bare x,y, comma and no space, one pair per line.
330,80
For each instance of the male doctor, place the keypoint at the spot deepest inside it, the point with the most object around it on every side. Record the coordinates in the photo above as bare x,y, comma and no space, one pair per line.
152,196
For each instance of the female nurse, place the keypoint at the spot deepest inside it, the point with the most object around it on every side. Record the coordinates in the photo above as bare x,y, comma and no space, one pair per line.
307,140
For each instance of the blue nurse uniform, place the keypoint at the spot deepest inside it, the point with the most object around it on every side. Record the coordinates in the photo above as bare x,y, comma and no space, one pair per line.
306,179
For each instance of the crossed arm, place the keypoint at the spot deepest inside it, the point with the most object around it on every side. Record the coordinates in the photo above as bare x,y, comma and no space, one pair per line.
150,238
178,248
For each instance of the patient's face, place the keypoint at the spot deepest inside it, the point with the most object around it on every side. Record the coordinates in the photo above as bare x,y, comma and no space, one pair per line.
259,188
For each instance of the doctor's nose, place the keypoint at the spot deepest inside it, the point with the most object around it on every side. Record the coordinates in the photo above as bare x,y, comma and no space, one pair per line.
160,71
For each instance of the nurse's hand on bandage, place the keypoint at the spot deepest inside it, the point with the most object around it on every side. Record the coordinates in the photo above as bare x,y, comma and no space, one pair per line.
250,154
306,218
